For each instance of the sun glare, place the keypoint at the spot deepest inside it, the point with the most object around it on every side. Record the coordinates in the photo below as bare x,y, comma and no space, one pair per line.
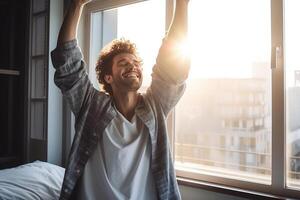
146,30
220,44
184,48
223,45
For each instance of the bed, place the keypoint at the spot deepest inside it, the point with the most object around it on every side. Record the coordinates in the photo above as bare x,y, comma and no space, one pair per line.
37,180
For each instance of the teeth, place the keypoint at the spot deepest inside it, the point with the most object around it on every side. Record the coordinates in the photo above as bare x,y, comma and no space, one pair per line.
131,74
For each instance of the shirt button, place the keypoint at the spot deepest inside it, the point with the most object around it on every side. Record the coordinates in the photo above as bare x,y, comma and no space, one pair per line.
78,171
66,190
86,152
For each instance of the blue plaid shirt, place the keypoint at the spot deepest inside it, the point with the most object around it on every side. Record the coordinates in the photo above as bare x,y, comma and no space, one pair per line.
94,110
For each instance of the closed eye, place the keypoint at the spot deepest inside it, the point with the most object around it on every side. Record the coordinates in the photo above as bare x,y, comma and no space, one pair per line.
124,64
128,64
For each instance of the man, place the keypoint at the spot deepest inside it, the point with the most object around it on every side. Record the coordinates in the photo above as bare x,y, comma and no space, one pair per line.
120,149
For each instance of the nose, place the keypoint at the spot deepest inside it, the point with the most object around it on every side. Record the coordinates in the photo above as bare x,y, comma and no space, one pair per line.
133,65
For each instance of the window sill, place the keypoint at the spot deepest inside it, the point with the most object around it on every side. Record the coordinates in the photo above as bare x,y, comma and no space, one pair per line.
227,190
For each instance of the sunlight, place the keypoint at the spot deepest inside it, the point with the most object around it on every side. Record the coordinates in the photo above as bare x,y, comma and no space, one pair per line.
224,45
292,41
184,48
147,36
220,44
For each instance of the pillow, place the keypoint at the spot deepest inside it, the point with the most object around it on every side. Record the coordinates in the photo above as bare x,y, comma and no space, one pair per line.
37,180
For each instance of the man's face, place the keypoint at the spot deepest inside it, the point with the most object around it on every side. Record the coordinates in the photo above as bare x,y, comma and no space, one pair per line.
126,73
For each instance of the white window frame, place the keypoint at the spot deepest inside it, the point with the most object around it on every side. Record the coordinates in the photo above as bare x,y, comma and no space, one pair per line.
278,187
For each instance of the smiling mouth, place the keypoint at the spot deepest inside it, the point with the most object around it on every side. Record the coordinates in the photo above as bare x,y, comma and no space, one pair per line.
131,75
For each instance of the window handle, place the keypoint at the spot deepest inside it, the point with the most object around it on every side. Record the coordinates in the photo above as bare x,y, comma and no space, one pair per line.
276,54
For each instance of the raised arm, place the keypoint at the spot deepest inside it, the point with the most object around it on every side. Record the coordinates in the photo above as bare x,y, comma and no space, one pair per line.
70,71
172,67
178,28
68,30
171,60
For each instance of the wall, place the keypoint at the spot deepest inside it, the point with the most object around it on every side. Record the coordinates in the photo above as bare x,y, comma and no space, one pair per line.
55,97
190,193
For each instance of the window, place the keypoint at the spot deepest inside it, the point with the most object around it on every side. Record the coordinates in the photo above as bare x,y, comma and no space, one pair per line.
123,22
230,57
292,95
228,127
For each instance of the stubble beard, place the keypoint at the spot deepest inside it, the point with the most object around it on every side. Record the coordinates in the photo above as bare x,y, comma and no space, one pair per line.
129,85
133,85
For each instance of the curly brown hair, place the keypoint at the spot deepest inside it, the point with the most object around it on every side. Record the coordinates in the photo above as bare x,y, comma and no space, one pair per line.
106,56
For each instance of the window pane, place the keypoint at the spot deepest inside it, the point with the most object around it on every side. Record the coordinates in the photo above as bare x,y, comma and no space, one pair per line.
135,22
38,35
292,82
146,30
223,121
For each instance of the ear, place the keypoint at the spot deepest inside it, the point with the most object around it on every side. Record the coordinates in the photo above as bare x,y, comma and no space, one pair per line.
108,79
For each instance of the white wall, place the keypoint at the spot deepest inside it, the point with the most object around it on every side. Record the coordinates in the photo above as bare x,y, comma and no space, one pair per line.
190,193
54,95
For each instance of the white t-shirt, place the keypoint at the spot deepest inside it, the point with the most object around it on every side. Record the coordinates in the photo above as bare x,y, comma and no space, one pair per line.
120,167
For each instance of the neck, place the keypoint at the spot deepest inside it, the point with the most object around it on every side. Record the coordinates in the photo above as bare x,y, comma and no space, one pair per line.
126,103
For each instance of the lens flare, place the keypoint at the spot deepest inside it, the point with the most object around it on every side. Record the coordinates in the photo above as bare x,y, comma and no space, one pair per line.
183,48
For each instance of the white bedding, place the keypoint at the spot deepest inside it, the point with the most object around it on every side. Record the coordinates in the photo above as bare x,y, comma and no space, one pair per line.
37,180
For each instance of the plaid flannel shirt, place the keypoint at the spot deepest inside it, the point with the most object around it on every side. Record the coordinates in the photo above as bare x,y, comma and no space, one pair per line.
93,111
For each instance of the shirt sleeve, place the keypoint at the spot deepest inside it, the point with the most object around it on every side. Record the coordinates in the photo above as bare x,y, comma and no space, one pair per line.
71,76
168,77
